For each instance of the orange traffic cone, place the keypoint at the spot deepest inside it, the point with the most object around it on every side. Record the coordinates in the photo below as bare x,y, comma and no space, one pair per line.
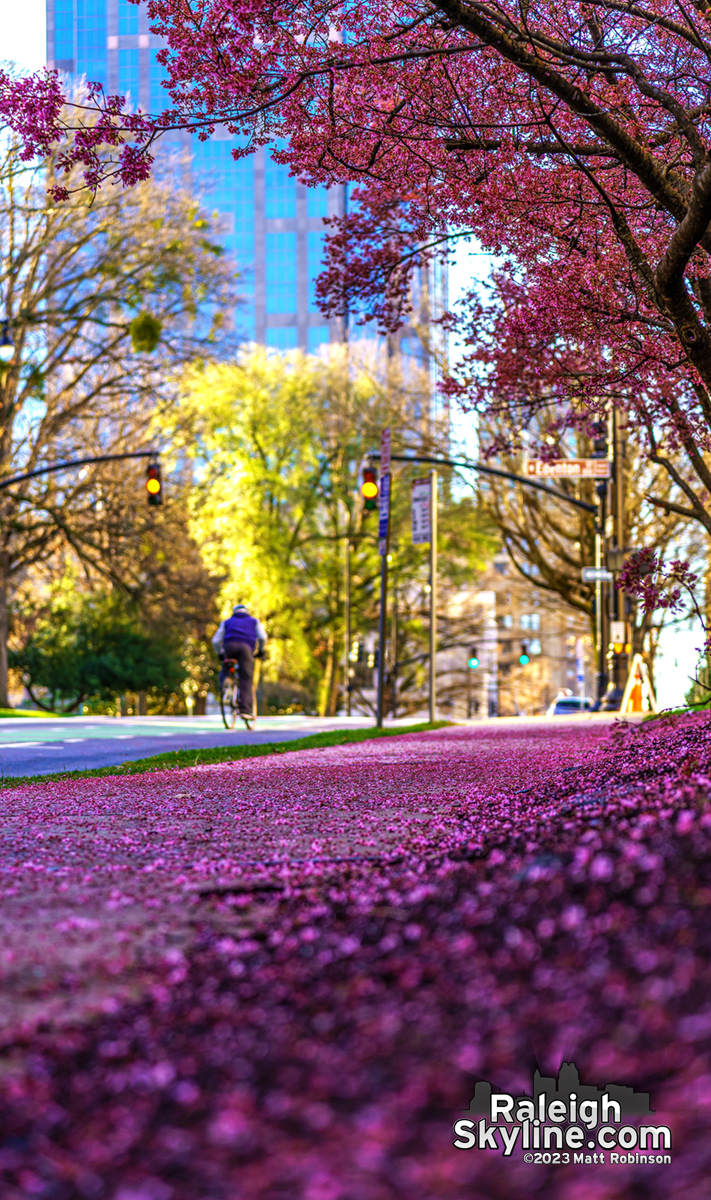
639,696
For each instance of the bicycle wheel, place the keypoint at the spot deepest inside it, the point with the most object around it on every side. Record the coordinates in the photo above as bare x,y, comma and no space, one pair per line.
228,703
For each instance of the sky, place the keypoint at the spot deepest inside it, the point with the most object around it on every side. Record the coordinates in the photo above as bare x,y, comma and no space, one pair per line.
23,33
23,42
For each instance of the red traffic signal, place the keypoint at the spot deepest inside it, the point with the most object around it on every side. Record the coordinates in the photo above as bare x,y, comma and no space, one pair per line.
369,488
154,485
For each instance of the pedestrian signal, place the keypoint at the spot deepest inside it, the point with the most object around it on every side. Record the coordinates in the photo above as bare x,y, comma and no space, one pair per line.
154,486
369,488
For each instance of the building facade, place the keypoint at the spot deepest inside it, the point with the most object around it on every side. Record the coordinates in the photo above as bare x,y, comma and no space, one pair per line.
502,620
271,224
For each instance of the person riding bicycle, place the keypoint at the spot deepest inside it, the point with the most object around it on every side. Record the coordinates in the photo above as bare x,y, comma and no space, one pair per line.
237,638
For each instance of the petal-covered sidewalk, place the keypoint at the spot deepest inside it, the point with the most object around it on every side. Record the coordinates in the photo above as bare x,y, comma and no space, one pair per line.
282,977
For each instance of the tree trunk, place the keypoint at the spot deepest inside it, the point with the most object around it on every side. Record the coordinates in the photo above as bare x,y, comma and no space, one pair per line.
200,704
4,698
327,681
142,704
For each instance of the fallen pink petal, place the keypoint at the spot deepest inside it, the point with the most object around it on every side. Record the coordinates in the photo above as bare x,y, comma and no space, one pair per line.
251,1018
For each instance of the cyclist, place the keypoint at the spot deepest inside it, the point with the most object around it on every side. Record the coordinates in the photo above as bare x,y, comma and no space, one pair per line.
237,638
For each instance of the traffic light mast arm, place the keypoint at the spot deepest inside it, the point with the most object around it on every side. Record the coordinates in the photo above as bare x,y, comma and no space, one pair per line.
473,466
76,462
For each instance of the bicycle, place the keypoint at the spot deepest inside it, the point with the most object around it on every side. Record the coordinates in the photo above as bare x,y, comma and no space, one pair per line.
229,699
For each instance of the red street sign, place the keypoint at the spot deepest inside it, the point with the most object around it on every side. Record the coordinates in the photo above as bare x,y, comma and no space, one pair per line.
569,468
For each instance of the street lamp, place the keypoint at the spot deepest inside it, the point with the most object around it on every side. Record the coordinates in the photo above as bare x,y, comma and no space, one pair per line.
7,343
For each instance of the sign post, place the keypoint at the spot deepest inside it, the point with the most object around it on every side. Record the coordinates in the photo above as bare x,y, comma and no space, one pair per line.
580,667
433,596
424,530
383,540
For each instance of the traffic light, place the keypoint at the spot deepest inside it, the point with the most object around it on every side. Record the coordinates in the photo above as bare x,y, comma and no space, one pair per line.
523,656
599,435
154,485
473,658
369,488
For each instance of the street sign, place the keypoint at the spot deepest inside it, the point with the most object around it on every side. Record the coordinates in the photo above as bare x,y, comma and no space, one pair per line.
596,575
385,444
618,632
421,523
384,511
569,468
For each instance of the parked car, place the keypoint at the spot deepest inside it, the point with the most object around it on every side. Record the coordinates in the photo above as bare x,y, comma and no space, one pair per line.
565,704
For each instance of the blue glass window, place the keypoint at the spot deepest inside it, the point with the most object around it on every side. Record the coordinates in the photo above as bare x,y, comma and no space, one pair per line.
314,258
281,338
279,191
280,272
317,202
228,186
64,29
127,17
318,336
128,74
159,98
91,40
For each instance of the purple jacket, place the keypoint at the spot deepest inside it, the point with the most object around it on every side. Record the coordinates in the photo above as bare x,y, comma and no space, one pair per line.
241,628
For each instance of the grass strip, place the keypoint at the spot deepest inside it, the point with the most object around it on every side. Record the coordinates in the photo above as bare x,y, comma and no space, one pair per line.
206,755
28,712
682,711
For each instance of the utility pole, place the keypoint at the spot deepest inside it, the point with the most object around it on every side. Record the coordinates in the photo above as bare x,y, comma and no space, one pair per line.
393,651
347,622
433,596
602,448
383,544
617,654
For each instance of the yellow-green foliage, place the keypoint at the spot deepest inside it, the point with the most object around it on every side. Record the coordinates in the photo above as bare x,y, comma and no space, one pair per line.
276,443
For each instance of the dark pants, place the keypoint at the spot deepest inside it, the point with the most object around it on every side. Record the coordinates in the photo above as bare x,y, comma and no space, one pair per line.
243,654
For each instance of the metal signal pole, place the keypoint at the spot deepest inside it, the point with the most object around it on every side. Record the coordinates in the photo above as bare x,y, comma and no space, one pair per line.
433,596
383,545
348,625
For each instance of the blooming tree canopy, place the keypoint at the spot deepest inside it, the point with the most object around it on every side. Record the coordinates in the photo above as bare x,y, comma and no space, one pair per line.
571,138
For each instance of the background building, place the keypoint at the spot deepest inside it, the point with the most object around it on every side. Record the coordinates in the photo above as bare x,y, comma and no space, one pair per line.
272,225
500,618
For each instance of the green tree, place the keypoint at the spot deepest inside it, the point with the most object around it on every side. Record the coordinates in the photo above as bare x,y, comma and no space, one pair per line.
277,443
94,649
105,296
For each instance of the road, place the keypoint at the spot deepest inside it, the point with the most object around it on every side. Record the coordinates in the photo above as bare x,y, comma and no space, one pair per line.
33,746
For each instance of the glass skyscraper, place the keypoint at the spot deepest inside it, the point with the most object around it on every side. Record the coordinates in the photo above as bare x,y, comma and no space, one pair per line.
271,224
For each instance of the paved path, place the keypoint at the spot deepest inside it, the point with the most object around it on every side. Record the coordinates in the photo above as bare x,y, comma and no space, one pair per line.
297,966
93,864
32,746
